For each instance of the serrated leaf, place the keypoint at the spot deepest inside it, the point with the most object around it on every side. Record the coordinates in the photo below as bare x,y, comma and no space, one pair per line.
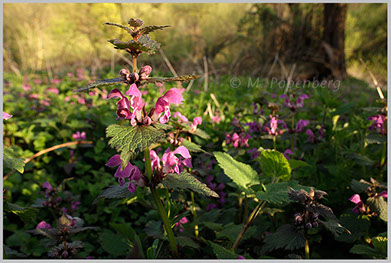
27,214
277,193
191,146
222,252
374,138
185,78
200,133
185,181
149,44
380,244
125,230
376,253
232,231
133,138
361,159
148,29
243,175
101,83
187,242
12,160
275,165
286,237
130,31
357,226
334,227
359,186
297,163
379,205
115,192
135,22
113,243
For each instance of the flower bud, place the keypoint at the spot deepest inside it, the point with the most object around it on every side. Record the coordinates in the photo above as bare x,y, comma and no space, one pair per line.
123,72
146,69
73,251
308,225
298,219
64,254
315,224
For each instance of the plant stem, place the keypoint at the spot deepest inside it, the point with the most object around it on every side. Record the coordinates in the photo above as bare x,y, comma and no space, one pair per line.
193,211
166,222
245,210
148,165
307,249
134,64
274,142
251,219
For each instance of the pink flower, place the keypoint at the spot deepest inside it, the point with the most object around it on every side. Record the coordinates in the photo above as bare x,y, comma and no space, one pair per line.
301,124
6,116
131,172
196,121
291,105
34,96
383,194
26,87
47,186
216,119
378,123
196,91
311,137
37,81
67,98
240,257
360,207
172,96
272,127
81,101
287,153
123,108
43,225
70,74
169,163
79,136
183,220
55,81
45,102
181,118
238,140
53,90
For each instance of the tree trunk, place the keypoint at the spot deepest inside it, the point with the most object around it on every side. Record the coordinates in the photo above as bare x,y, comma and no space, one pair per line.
334,39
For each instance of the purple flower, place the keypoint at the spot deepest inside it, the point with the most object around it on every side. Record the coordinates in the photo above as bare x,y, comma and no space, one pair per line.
43,225
172,96
79,136
238,140
254,126
47,186
123,108
196,121
75,205
287,153
211,206
311,137
131,172
272,127
254,153
291,105
26,87
301,124
183,220
360,207
378,123
170,163
299,101
6,116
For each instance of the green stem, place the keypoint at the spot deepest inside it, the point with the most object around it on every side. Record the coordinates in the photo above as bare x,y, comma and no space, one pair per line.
274,142
159,205
251,219
307,249
166,222
245,210
193,211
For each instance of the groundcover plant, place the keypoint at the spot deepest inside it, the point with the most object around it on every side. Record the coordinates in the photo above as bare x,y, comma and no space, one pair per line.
157,181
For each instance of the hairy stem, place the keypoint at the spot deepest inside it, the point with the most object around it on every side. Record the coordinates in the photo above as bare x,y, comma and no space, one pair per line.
274,142
148,165
245,227
134,64
166,222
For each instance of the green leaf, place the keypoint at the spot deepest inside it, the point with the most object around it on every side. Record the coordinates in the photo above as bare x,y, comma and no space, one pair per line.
130,31
185,181
134,46
27,214
380,244
357,225
125,230
379,205
361,159
275,165
187,242
286,236
377,252
277,193
222,252
334,227
101,83
113,243
12,160
185,78
232,231
133,138
359,186
115,192
297,163
200,133
149,45
241,174
191,146
148,29
374,138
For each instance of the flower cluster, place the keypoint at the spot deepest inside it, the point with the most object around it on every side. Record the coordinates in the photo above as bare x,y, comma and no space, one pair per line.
170,163
311,136
182,119
79,136
290,103
360,207
55,201
179,224
272,127
130,172
238,140
378,123
309,221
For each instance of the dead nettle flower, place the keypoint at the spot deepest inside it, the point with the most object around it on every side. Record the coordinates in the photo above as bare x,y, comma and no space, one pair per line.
301,124
254,127
272,127
254,153
43,225
174,140
179,224
135,77
6,116
170,163
311,136
290,101
238,140
257,110
182,119
287,153
79,136
378,123
130,172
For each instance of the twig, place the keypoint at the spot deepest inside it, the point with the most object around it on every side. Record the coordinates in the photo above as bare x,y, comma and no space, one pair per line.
49,150
205,74
379,91
215,100
170,67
